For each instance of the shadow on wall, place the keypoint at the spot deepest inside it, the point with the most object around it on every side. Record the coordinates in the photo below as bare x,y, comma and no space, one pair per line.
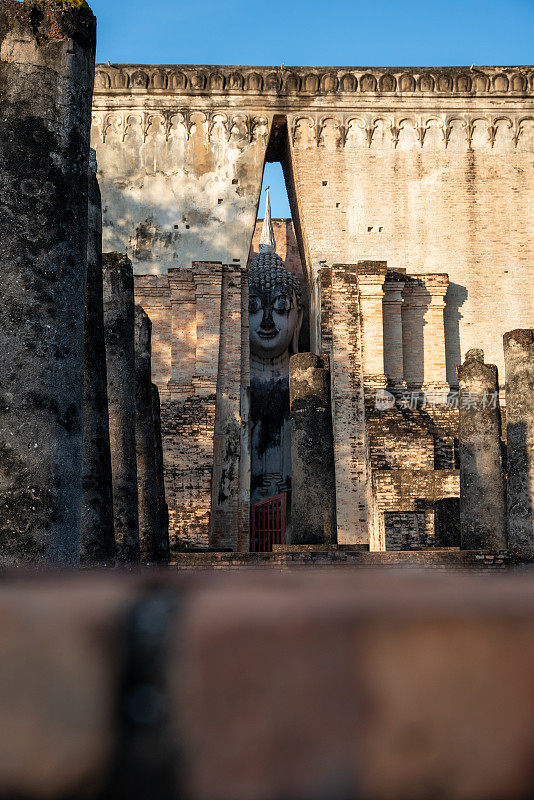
171,197
448,522
519,468
454,300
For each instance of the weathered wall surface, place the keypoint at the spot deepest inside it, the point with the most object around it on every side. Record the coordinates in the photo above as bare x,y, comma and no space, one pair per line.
185,310
431,182
429,169
197,323
180,183
421,177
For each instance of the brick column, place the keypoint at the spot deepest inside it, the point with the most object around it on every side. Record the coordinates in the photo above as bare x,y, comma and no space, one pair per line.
208,282
183,329
313,484
163,509
423,334
371,277
519,362
434,364
354,501
415,299
482,501
393,356
225,521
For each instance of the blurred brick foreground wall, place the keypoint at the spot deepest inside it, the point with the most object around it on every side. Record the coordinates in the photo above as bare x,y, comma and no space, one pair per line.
353,684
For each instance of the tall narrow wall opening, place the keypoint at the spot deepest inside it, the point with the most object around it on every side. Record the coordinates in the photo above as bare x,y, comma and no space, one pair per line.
279,328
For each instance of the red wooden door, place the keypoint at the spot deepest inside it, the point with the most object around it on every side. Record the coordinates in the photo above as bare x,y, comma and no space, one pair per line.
268,524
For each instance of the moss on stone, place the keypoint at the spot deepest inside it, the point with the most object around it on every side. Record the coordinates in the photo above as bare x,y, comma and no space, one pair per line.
50,20
62,4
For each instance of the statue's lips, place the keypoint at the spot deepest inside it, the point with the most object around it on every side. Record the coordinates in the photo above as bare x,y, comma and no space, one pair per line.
268,334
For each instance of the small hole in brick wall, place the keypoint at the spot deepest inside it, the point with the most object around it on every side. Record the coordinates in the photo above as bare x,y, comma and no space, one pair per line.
325,183
236,260
337,205
235,181
187,227
176,227
220,202
380,229
369,229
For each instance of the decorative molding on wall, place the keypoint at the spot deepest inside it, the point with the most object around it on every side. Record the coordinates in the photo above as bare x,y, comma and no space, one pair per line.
310,81
143,124
331,131
474,131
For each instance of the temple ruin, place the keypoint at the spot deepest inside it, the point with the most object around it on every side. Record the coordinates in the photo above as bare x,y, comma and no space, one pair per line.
182,376
411,201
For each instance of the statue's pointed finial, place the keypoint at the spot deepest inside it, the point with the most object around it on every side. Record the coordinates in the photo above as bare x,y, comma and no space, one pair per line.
267,242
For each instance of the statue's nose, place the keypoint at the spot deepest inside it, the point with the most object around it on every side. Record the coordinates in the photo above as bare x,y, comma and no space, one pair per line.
267,320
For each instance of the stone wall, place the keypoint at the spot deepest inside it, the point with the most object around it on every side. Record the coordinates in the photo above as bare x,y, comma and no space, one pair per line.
197,323
417,181
429,169
399,462
184,307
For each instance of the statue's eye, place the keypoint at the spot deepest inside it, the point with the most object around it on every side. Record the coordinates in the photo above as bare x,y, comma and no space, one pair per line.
282,303
254,304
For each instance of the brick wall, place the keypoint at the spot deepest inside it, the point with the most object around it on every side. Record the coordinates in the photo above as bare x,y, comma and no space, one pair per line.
200,365
354,501
230,522
185,309
463,209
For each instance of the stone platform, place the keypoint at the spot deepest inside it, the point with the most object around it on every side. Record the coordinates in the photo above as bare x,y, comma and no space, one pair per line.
286,558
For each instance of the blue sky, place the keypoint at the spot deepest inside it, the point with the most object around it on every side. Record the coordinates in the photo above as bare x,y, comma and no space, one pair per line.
309,32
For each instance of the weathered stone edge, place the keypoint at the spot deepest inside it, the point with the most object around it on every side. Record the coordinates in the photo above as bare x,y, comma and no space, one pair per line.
443,81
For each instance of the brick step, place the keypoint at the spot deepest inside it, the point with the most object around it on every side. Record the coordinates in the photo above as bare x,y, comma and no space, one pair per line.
430,558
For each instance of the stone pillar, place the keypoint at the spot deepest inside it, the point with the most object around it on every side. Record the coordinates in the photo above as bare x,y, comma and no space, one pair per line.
208,286
415,301
371,277
120,362
163,509
482,497
225,521
393,357
434,363
98,537
149,518
355,505
313,482
183,328
423,334
519,364
46,75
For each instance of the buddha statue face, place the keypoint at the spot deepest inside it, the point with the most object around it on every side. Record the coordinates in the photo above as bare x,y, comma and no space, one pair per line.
275,308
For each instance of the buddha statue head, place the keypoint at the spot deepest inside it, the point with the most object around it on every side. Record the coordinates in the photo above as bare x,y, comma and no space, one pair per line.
275,308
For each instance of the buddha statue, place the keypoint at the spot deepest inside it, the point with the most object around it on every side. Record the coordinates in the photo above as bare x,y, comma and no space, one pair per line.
275,319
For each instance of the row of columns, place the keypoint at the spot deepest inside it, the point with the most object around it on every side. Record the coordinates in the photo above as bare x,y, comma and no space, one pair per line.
497,484
139,510
403,329
69,409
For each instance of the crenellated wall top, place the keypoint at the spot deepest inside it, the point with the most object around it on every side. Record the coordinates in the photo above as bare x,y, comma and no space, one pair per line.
188,80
